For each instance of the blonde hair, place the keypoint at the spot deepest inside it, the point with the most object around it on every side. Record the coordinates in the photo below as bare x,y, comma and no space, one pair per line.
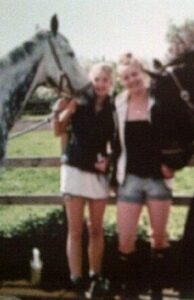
100,67
127,60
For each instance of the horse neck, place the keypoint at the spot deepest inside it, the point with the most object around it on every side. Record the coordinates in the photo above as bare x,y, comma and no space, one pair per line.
16,79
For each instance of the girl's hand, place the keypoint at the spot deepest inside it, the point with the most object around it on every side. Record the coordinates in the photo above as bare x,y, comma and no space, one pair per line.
72,106
102,164
167,171
113,191
60,105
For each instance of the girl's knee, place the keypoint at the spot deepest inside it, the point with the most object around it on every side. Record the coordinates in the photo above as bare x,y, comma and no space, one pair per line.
94,231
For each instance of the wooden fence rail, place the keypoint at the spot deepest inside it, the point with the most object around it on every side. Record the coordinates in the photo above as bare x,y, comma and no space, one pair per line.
55,199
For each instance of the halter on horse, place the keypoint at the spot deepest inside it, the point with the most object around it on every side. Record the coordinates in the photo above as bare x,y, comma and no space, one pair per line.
173,114
48,57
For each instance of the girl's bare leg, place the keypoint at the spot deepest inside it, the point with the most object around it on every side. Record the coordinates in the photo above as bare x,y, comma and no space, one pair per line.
74,211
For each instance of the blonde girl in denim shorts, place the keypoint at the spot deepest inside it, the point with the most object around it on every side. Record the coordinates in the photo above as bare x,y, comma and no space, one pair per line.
140,172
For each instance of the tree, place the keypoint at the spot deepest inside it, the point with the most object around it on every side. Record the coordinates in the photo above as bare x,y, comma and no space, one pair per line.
180,39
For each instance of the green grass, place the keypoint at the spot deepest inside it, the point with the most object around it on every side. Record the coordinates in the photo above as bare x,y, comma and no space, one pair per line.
36,143
28,181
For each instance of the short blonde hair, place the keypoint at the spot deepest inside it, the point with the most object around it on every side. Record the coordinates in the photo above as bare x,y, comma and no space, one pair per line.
100,67
126,60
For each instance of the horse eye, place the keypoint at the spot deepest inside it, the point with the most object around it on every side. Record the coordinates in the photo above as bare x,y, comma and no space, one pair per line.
71,54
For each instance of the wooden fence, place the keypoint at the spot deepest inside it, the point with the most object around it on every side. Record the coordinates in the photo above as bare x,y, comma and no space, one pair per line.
55,199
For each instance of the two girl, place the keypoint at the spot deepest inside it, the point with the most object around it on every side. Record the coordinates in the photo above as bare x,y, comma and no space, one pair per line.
139,170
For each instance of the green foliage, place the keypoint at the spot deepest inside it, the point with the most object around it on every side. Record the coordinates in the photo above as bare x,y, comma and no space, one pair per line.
178,31
180,38
27,220
118,87
41,101
175,226
183,183
37,108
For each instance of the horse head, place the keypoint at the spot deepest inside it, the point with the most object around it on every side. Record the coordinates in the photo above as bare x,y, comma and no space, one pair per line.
47,57
173,112
59,64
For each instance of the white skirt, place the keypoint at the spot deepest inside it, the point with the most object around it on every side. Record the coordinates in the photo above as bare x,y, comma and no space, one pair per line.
75,182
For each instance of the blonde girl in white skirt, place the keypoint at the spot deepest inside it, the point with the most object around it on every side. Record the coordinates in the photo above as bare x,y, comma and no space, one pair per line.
83,173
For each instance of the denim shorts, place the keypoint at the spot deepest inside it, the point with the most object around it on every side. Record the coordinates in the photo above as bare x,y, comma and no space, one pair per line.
138,190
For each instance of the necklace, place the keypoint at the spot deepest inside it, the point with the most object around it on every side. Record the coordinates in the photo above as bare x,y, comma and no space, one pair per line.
137,110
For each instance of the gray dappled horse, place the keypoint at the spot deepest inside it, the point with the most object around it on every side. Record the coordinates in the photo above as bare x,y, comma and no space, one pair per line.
47,57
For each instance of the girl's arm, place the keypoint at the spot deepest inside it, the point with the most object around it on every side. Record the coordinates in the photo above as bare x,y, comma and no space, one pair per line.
63,110
167,172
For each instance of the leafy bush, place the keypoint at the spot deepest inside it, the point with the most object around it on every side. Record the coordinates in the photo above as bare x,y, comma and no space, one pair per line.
28,220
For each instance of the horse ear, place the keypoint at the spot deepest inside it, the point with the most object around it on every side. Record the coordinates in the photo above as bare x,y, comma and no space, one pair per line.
157,64
54,24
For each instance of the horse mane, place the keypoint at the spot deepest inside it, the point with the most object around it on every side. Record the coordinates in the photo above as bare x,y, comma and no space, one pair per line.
26,48
20,53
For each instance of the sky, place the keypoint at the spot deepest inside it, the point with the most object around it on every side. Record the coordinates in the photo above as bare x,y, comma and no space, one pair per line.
96,28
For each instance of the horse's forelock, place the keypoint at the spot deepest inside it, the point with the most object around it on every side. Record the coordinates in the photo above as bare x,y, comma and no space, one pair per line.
41,35
63,38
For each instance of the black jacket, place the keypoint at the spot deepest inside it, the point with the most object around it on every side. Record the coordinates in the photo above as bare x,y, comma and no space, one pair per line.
90,132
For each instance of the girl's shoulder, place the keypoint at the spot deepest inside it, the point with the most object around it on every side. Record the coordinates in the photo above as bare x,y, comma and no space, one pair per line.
121,100
121,97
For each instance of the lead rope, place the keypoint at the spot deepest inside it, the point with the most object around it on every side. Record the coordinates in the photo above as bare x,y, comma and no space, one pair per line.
33,127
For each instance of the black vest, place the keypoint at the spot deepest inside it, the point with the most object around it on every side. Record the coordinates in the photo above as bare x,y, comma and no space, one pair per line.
90,132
